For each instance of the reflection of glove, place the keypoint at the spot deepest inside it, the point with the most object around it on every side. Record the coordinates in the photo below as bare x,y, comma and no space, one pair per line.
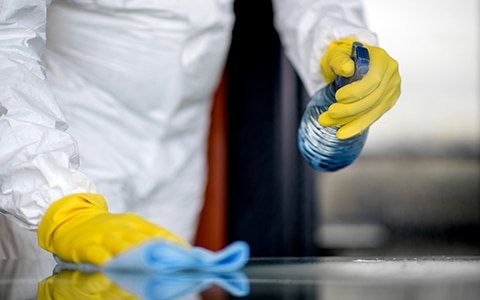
360,103
68,285
78,228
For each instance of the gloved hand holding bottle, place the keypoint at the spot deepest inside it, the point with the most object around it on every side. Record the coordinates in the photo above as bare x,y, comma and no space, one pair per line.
360,103
78,228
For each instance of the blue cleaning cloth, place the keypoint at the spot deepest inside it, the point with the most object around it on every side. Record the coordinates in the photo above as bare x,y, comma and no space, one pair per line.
159,256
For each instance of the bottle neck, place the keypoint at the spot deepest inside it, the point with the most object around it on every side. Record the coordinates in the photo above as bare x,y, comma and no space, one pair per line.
330,91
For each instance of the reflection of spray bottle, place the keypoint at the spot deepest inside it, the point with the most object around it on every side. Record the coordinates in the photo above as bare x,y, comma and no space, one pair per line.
319,145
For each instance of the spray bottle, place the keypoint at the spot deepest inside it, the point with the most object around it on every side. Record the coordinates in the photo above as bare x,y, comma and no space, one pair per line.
319,145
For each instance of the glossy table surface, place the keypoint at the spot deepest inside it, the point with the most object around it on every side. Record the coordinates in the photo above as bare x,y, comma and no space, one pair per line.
263,278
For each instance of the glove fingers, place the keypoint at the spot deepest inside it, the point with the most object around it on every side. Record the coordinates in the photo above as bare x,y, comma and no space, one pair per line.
341,63
374,92
351,109
326,120
94,254
112,244
361,103
342,110
358,125
383,74
337,62
354,125
376,78
358,90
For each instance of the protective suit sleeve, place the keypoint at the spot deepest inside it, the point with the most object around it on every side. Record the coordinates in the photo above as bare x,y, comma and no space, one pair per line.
308,27
38,159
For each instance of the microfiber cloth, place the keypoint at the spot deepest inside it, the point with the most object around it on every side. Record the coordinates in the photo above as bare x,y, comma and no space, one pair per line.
159,256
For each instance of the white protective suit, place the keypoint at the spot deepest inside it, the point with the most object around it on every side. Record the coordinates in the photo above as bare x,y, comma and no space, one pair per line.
114,97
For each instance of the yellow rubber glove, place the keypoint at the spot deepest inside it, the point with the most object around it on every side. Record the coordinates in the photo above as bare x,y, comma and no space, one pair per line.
78,228
68,285
362,102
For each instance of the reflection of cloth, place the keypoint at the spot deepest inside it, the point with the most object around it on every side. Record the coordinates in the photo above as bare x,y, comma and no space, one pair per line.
163,257
174,285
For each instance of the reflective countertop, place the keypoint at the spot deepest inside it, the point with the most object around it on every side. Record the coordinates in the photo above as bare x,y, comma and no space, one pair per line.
336,278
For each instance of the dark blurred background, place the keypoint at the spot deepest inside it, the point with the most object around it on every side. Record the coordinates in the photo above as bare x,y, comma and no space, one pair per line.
414,190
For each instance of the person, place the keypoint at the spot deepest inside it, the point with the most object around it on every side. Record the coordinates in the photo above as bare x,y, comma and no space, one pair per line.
104,112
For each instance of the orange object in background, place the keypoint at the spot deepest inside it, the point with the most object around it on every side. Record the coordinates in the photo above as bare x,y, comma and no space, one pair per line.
212,227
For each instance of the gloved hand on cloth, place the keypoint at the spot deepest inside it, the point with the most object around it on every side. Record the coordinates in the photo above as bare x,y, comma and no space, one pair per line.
362,102
82,234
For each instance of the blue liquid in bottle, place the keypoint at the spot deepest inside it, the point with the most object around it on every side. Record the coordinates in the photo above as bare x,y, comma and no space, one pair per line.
319,145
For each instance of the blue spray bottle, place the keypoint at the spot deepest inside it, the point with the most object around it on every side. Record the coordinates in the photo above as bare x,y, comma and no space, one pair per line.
319,145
